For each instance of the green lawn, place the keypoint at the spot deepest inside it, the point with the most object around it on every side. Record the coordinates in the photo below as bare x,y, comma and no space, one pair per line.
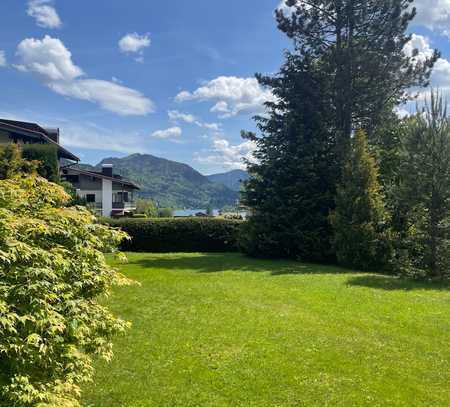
225,330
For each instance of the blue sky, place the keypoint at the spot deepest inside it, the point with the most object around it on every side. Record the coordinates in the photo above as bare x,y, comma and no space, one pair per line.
173,79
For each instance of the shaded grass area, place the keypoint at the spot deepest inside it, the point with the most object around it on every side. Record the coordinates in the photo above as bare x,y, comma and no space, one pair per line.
225,330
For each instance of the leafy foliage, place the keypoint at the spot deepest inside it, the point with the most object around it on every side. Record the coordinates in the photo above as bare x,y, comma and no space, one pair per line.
52,269
360,221
11,162
146,207
179,235
47,156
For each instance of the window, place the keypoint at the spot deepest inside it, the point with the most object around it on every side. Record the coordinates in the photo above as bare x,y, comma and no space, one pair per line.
74,179
90,198
121,197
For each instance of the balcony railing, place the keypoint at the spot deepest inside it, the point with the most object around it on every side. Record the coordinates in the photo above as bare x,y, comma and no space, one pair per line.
94,205
124,205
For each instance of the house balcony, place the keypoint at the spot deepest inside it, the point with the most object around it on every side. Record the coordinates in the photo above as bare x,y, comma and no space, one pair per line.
127,206
94,205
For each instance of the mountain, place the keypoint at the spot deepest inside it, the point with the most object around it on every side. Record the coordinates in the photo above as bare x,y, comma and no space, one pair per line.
231,179
170,183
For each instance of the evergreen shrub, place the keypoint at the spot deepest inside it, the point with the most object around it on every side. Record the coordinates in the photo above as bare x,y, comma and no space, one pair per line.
179,234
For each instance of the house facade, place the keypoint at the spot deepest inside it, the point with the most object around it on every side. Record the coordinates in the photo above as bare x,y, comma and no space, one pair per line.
12,131
104,192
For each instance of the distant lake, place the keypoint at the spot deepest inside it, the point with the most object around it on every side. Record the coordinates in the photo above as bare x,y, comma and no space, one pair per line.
192,212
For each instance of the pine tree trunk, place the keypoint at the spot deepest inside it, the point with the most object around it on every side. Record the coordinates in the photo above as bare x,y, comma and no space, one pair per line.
340,79
344,76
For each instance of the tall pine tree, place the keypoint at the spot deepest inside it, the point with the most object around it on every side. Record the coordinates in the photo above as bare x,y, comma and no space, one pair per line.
360,44
347,69
424,193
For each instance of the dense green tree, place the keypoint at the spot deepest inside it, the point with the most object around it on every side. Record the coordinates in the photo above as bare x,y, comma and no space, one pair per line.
360,221
146,207
291,189
360,44
47,157
346,70
387,143
424,192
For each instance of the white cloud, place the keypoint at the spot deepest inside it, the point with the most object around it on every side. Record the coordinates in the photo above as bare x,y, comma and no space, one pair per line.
440,77
109,95
52,63
220,107
91,137
210,126
44,13
231,95
420,43
285,8
175,116
434,15
48,58
402,112
2,58
227,155
135,44
173,132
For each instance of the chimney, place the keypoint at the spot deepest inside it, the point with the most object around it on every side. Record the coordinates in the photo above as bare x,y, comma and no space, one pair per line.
107,169
53,134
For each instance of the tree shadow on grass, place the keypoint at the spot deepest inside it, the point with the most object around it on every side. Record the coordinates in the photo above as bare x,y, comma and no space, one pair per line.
221,262
224,262
390,283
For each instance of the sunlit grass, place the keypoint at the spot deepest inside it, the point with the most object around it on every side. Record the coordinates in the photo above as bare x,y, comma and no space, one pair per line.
225,330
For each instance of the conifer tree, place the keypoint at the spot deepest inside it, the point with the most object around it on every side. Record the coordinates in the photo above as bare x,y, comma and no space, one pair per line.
360,44
425,192
292,185
360,219
346,69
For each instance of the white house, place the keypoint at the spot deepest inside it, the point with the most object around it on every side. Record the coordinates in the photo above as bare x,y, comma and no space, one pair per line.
108,194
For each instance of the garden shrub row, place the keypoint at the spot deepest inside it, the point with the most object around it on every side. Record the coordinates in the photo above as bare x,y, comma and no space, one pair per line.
179,235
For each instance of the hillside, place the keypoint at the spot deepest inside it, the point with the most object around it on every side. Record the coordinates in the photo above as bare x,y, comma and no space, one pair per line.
231,179
170,183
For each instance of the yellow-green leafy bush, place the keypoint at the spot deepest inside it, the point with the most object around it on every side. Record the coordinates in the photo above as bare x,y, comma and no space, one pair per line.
52,270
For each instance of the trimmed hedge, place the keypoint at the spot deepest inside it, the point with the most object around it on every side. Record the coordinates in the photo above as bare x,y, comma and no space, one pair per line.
179,235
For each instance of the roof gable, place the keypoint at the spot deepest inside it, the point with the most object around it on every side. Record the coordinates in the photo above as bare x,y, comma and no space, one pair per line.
35,131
